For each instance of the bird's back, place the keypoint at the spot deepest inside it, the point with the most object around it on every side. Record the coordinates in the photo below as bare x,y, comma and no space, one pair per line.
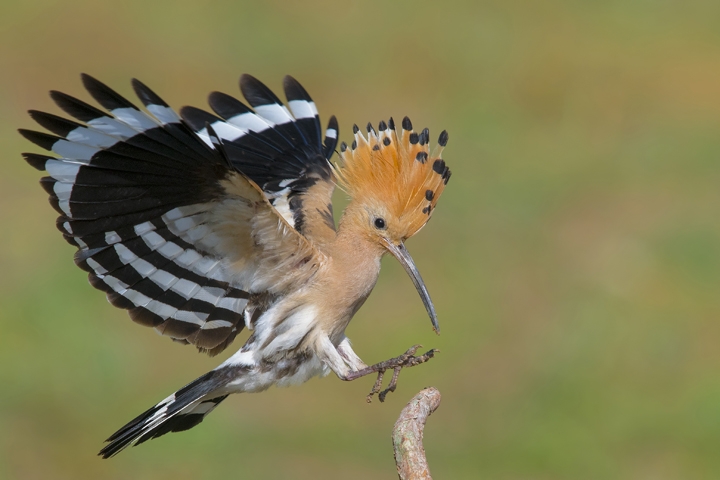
167,213
201,224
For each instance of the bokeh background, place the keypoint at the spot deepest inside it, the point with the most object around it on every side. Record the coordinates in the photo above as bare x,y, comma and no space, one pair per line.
574,259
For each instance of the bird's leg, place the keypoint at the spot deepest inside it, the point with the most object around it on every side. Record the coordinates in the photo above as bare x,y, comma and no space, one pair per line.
349,356
391,386
407,359
376,388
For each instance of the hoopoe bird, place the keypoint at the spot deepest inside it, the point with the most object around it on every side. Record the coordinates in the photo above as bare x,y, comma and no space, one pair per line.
201,225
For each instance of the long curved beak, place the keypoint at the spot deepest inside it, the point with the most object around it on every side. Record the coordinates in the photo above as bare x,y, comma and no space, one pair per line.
401,253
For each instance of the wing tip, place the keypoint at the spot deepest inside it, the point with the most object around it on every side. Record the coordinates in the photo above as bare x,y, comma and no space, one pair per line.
42,140
294,90
146,95
332,132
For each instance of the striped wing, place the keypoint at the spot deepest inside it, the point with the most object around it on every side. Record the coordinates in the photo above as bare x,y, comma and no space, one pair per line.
278,148
163,222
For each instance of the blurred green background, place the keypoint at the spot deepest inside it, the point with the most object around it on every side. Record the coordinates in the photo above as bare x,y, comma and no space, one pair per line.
574,259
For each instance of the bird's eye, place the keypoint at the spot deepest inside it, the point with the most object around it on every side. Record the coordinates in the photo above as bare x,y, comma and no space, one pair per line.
380,223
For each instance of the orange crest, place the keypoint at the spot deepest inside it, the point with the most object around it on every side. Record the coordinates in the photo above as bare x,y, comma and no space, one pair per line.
396,169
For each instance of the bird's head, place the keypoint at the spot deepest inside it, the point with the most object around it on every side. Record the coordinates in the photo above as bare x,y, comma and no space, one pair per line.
394,182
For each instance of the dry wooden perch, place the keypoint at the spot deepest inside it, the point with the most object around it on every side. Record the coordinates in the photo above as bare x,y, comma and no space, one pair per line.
408,435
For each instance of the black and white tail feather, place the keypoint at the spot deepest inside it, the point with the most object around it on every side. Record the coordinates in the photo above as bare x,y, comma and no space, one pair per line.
180,411
138,194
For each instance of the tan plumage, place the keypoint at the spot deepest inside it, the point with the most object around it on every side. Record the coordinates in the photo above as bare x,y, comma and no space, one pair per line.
204,225
397,176
258,242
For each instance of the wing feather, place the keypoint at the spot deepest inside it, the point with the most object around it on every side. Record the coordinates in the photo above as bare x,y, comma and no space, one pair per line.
165,220
279,149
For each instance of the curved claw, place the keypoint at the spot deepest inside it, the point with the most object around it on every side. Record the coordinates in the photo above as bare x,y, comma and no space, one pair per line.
406,360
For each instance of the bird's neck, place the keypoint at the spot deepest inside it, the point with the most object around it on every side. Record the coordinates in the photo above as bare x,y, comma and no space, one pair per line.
351,274
357,250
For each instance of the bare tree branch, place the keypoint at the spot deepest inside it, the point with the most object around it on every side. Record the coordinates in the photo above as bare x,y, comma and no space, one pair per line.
408,435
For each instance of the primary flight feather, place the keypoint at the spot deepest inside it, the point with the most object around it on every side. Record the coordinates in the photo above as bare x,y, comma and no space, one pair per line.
202,224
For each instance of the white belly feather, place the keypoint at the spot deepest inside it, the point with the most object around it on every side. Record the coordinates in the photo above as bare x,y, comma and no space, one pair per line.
271,354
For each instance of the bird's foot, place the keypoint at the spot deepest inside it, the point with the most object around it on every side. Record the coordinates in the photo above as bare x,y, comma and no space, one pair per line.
406,360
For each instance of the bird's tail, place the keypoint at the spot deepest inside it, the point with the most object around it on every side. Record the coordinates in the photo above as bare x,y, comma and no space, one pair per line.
180,411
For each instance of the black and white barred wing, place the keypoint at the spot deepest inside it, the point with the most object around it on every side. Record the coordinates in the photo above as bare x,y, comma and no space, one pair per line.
280,148
147,202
